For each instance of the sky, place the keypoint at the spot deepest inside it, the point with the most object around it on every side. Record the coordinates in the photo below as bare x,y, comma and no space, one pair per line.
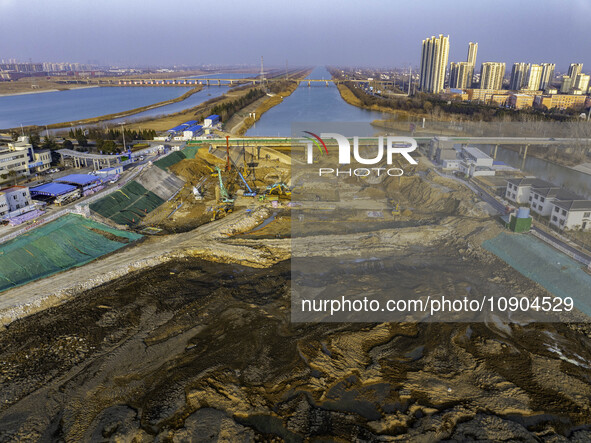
380,33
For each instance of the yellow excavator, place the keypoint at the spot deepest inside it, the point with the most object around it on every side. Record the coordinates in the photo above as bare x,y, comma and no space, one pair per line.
279,189
395,207
221,210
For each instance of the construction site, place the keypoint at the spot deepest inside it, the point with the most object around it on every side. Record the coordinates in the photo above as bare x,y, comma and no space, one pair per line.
183,327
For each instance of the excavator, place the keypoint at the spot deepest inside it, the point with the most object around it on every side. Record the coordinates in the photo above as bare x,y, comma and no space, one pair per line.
395,207
279,189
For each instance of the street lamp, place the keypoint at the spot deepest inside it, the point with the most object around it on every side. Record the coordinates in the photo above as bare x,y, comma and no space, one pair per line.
123,132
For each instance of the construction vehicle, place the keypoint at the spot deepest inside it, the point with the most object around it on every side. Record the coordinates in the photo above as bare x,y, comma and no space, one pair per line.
224,196
213,173
395,207
251,192
221,210
279,188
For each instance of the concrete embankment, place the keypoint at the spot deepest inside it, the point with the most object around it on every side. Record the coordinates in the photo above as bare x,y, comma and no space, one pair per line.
139,197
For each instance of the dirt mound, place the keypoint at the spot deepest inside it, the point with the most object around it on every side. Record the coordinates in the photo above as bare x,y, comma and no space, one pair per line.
414,192
192,170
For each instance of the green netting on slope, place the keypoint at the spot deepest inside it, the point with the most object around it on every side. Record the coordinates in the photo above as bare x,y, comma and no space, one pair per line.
170,160
69,241
555,271
128,205
191,151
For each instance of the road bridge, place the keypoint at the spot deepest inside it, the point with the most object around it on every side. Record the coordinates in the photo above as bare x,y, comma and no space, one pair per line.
223,81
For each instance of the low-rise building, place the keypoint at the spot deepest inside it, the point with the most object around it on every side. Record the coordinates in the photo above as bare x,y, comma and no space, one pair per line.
14,201
41,161
485,95
561,101
192,131
3,206
519,189
571,214
475,162
21,158
11,160
541,199
520,101
211,120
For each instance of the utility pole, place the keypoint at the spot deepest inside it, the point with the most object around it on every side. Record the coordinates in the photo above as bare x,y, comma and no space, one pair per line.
409,79
286,71
262,73
227,153
123,132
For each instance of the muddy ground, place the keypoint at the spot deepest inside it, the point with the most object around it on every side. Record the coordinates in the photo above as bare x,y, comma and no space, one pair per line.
194,351
197,351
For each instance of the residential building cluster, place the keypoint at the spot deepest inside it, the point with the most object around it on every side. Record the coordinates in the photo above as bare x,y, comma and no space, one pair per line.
564,209
529,85
13,70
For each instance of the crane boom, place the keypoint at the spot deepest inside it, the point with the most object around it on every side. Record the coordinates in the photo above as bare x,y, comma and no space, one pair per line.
223,191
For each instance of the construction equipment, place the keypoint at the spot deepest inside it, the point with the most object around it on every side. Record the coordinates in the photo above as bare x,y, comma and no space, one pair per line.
213,171
279,189
198,190
395,207
251,192
221,210
224,196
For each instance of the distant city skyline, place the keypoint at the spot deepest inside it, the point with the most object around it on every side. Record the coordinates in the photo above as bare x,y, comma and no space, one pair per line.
378,33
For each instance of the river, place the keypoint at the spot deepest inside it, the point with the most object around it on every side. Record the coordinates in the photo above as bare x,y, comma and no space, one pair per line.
316,103
46,108
563,176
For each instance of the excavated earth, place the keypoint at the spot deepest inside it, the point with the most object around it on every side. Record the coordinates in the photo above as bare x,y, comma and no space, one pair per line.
191,350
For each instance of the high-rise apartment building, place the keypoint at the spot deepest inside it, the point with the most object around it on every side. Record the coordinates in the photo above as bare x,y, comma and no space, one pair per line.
518,76
434,63
461,75
575,69
472,51
491,75
582,83
547,75
566,84
534,78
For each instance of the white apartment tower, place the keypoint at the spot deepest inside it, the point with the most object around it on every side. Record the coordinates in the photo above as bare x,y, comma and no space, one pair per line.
434,63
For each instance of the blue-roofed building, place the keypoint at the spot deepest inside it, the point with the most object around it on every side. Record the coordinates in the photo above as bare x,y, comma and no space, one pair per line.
193,131
189,123
83,181
51,190
176,129
210,121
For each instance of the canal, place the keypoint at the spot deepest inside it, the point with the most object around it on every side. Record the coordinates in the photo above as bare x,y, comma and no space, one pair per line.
315,103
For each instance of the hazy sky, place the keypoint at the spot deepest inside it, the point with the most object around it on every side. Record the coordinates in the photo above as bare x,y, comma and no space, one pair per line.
306,32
